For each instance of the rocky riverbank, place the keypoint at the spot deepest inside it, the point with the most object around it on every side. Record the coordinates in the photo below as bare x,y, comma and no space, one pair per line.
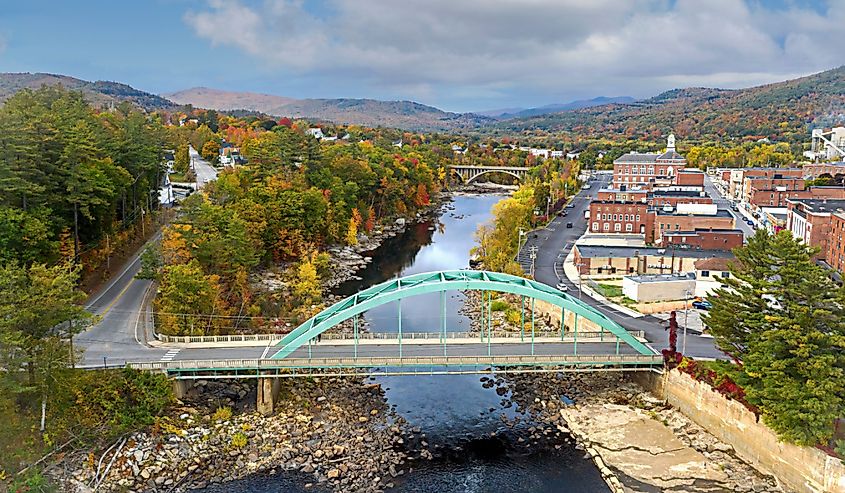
337,432
638,443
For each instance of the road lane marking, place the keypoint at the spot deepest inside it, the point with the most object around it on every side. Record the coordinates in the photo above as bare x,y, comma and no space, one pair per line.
170,354
264,354
117,298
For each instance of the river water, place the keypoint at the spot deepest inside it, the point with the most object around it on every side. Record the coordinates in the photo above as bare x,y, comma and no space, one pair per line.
464,420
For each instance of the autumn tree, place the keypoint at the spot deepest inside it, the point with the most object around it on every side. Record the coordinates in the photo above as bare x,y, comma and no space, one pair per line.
39,310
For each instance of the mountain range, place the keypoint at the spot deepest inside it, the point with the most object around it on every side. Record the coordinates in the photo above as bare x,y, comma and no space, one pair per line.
781,111
99,93
369,112
510,113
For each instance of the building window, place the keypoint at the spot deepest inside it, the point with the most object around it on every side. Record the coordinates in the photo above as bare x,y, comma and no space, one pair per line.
607,226
617,227
726,274
629,227
705,273
595,226
638,218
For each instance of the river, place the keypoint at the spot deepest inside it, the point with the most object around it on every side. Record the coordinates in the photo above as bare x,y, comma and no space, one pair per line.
464,420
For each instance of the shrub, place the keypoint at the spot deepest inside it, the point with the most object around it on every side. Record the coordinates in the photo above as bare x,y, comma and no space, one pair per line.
239,440
499,305
222,413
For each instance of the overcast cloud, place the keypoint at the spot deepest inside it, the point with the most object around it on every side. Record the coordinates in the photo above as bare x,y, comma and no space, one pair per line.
456,53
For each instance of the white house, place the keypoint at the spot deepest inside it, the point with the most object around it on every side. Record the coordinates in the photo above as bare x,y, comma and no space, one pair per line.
316,132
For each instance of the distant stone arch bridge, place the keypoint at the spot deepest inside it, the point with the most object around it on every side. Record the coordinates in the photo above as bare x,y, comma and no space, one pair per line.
468,174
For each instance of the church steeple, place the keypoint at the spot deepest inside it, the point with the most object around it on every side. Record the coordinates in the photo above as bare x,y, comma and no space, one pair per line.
670,143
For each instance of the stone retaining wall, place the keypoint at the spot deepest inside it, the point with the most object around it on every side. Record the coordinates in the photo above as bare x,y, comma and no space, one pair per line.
803,469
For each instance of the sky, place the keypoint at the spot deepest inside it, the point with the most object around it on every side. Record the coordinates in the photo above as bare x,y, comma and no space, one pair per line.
458,55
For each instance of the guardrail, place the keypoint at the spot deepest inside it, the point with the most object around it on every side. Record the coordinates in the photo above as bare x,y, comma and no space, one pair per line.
329,336
258,365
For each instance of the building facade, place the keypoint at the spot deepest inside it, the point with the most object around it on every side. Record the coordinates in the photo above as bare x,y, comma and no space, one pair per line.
645,170
704,239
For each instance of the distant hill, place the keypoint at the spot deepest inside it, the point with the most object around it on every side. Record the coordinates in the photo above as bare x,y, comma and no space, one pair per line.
510,113
781,111
369,112
97,93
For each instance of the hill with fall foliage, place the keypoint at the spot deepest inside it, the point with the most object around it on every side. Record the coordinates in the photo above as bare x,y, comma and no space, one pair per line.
407,115
782,111
98,93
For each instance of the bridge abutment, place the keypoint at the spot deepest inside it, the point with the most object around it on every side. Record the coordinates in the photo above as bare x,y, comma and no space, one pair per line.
268,392
180,388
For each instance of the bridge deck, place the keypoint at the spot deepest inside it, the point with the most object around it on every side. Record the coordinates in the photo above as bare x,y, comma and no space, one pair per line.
391,364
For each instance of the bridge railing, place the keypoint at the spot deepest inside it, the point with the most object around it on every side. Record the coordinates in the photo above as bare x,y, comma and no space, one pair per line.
259,365
434,336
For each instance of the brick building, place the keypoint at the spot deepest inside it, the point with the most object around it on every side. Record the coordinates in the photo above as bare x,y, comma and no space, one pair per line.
810,220
620,217
660,198
599,260
679,220
834,255
623,194
704,239
645,170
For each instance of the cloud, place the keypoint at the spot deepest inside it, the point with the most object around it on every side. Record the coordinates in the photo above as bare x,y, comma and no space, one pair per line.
442,49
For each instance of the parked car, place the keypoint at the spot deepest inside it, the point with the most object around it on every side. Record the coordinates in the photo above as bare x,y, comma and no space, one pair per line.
562,287
568,225
749,222
570,205
702,304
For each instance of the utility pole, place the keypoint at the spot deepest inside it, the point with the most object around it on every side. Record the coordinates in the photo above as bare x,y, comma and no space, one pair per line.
686,314
533,258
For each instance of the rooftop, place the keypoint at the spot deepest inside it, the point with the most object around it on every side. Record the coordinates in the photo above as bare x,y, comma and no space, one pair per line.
676,193
820,205
719,213
716,263
660,278
601,251
702,230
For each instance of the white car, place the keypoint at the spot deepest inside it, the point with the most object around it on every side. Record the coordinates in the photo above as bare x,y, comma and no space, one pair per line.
562,287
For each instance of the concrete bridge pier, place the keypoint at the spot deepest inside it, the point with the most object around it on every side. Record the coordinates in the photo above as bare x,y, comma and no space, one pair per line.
180,388
268,392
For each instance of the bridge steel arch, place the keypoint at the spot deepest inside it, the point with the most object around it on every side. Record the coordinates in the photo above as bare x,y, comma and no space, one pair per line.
454,280
469,174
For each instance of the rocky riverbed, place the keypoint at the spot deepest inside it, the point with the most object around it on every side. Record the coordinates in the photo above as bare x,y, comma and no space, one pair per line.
639,443
336,432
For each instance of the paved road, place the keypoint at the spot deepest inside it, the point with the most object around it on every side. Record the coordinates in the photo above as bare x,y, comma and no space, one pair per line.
554,245
724,203
119,335
204,170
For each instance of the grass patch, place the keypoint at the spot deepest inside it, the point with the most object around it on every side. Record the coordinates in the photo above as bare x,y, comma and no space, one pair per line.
609,290
499,305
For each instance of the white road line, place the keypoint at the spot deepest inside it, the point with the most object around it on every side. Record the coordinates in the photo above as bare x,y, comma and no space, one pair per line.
170,354
264,354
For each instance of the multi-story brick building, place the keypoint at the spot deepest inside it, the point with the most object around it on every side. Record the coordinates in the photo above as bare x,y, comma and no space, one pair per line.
660,198
810,220
620,217
766,191
623,194
704,239
688,220
835,252
645,170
